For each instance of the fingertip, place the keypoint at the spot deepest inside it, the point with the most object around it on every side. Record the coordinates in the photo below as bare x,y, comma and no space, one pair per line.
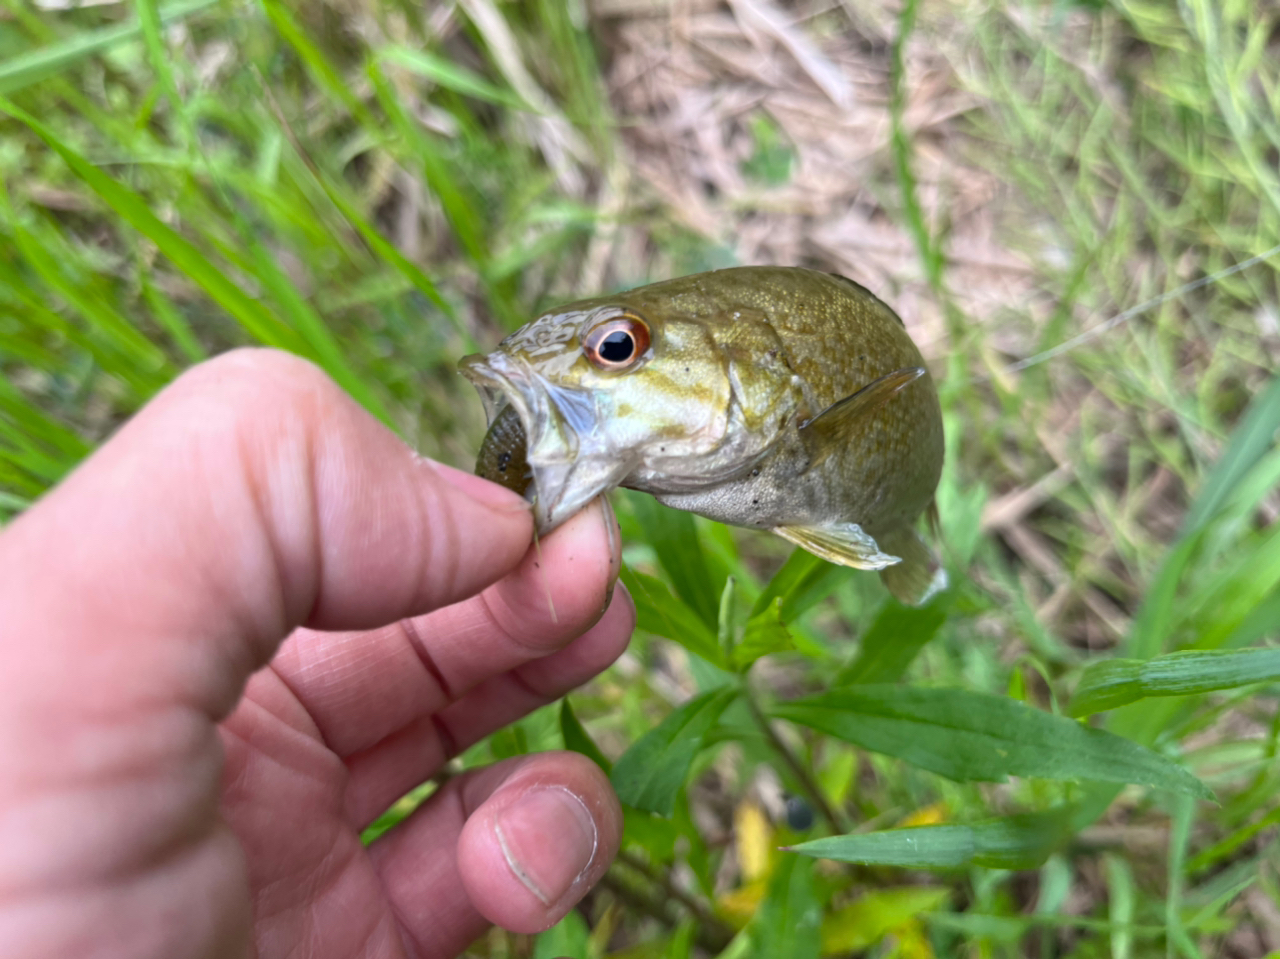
540,842
482,491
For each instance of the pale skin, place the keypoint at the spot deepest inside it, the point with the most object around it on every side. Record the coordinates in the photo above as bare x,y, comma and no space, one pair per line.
236,634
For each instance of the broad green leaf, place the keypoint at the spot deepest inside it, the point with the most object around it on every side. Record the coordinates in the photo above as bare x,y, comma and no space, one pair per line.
654,834
449,75
866,920
1013,842
1115,682
662,614
567,939
28,68
578,740
765,633
894,640
973,736
789,922
509,741
674,537
803,581
649,774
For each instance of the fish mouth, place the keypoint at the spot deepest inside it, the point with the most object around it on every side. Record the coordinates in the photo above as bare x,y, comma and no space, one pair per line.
567,448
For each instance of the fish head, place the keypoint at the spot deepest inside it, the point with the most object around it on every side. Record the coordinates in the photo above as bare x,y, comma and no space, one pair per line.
604,388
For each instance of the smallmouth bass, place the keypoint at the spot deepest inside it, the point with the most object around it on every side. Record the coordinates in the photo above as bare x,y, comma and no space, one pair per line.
775,398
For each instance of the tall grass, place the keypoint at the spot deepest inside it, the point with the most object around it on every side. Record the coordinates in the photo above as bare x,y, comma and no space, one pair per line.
383,187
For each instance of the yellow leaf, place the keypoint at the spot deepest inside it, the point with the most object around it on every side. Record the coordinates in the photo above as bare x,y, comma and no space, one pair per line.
869,919
754,836
739,905
933,815
911,942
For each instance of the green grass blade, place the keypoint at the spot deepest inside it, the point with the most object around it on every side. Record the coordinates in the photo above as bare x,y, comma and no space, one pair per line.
315,333
134,210
325,73
173,322
28,68
1117,682
1120,904
1250,441
449,75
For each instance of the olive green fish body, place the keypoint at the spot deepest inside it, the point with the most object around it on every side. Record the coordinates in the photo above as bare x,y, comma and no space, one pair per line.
767,397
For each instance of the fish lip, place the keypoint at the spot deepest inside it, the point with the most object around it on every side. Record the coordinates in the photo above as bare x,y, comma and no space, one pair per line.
571,460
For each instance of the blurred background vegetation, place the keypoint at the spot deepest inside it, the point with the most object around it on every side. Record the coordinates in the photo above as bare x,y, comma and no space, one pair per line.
384,185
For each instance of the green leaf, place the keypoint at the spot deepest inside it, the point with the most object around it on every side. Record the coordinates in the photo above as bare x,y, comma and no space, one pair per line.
674,537
578,740
802,582
972,736
894,640
789,922
508,742
1115,682
449,75
765,633
1013,842
662,614
726,624
567,939
649,774
655,835
28,68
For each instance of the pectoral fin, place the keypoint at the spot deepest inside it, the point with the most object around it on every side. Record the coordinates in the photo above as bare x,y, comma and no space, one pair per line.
843,543
835,426
919,577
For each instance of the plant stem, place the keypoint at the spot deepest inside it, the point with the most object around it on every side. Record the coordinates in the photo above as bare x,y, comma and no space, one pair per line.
812,792
699,910
711,937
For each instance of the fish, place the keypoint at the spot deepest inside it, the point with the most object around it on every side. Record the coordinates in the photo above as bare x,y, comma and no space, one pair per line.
775,398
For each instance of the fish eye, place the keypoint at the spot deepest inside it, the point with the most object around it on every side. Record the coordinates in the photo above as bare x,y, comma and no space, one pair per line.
617,344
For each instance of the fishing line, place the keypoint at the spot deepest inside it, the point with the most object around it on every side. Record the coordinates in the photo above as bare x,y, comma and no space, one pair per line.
1105,327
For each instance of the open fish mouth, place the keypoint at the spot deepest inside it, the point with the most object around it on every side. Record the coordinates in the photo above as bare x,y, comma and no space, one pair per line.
558,456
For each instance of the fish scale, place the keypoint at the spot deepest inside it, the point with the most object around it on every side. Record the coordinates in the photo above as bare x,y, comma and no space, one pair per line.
769,397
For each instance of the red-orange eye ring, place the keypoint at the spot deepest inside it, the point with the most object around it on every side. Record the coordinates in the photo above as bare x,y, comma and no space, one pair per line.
617,344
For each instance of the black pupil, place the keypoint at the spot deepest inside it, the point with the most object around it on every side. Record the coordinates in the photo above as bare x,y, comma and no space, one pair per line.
617,347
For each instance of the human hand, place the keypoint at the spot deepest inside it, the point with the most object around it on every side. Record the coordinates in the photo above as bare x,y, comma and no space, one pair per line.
175,782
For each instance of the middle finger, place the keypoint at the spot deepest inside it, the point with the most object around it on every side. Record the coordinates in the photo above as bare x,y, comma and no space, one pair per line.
360,688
